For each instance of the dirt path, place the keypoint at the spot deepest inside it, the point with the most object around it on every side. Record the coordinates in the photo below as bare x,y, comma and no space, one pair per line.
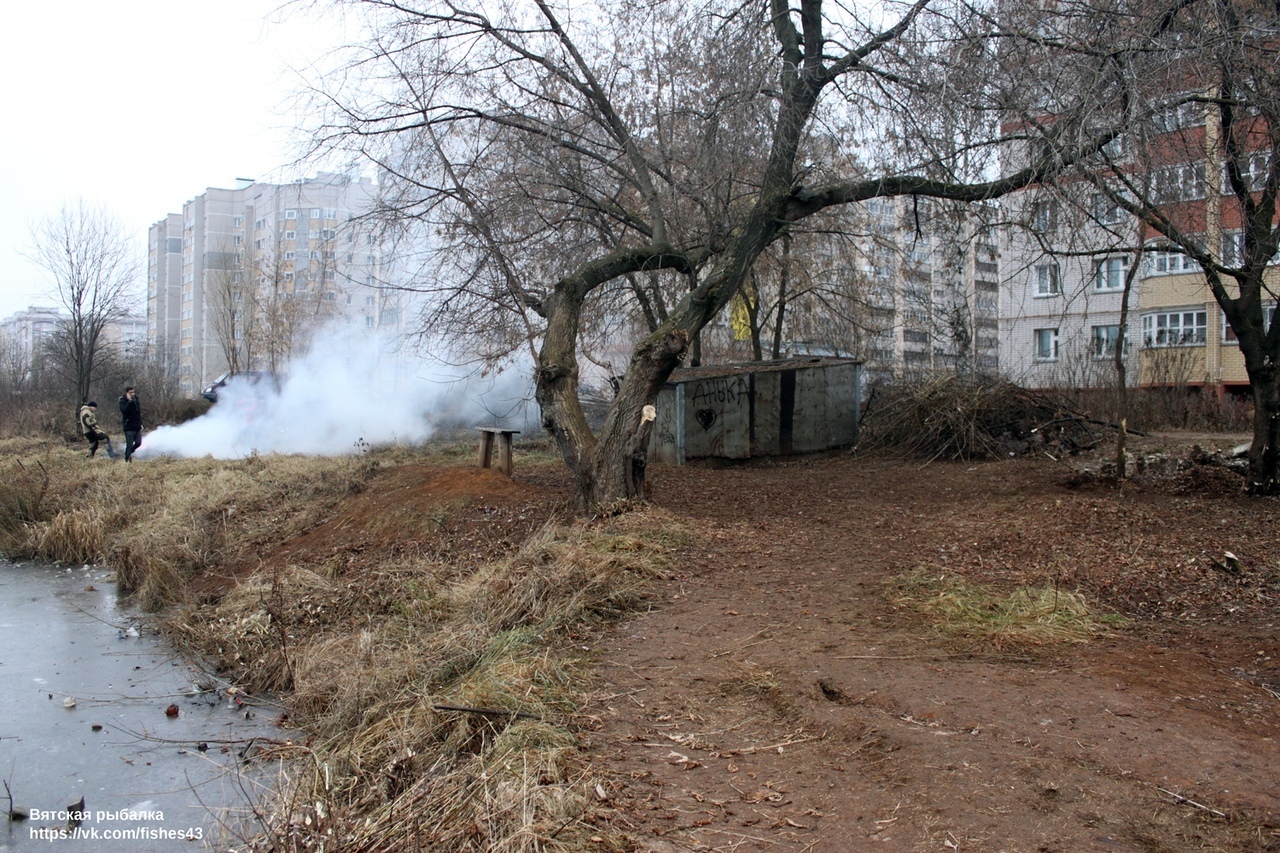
777,700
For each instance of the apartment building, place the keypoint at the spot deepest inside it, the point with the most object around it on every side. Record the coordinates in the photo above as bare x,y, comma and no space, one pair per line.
907,286
1062,288
1065,266
25,333
932,299
242,277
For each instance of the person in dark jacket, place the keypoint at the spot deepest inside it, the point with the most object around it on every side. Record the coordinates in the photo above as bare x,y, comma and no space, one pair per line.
131,420
93,435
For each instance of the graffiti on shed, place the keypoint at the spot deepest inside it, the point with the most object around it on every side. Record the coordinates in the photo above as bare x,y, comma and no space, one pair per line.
776,408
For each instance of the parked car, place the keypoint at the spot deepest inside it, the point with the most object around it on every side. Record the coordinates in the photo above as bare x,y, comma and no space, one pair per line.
263,380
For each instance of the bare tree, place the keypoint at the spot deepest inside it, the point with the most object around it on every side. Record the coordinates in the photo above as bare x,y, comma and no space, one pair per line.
564,156
89,255
233,312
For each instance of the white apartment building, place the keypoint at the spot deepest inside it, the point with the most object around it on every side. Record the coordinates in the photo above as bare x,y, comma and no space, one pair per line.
293,254
25,333
1061,293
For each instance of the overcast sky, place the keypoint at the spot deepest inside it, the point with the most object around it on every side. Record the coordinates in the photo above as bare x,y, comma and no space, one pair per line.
140,105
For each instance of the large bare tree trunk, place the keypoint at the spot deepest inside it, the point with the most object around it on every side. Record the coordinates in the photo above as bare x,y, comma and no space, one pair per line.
1264,453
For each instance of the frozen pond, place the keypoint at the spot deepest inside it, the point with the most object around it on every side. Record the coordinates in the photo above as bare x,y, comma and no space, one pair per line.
85,696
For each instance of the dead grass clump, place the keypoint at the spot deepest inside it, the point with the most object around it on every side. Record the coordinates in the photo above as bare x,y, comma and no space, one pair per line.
24,492
390,770
159,522
956,418
1027,617
557,579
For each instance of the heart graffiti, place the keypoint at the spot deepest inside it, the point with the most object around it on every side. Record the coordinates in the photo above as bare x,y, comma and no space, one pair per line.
706,417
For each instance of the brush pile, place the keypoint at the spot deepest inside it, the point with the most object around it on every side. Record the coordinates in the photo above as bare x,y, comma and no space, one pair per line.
955,418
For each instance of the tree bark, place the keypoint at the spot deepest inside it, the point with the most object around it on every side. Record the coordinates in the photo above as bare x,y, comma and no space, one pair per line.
1264,453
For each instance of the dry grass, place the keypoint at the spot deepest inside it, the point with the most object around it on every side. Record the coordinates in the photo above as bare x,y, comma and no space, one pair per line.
363,655
1025,618
388,771
159,523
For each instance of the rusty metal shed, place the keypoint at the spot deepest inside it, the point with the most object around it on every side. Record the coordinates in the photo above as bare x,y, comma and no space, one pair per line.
772,408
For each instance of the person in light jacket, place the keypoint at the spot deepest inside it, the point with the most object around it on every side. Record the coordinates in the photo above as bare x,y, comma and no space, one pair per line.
92,434
131,420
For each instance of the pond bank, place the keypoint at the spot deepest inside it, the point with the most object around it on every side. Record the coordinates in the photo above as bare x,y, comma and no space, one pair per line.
98,712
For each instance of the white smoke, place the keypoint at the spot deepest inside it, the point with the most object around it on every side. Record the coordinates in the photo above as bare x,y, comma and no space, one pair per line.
342,396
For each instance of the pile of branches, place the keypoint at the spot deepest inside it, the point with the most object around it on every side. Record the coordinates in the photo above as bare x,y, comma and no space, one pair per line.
951,417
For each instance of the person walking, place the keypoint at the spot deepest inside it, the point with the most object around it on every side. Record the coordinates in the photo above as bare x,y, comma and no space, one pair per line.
92,434
131,420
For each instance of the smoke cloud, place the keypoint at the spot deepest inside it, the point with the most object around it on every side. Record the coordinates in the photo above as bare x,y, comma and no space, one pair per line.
345,394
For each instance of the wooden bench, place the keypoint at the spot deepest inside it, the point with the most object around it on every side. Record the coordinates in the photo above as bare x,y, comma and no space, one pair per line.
487,435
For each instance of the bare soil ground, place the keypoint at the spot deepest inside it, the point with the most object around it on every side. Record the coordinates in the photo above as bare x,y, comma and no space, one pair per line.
778,696
778,700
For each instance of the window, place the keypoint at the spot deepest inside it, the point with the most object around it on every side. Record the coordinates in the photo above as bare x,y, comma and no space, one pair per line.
288,256
1233,250
291,214
1044,216
1105,210
313,234
237,240
1109,273
315,213
291,235
1174,329
1253,171
1177,117
1169,262
1046,342
1177,183
237,222
1229,334
330,213
368,321
1104,339
1048,282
